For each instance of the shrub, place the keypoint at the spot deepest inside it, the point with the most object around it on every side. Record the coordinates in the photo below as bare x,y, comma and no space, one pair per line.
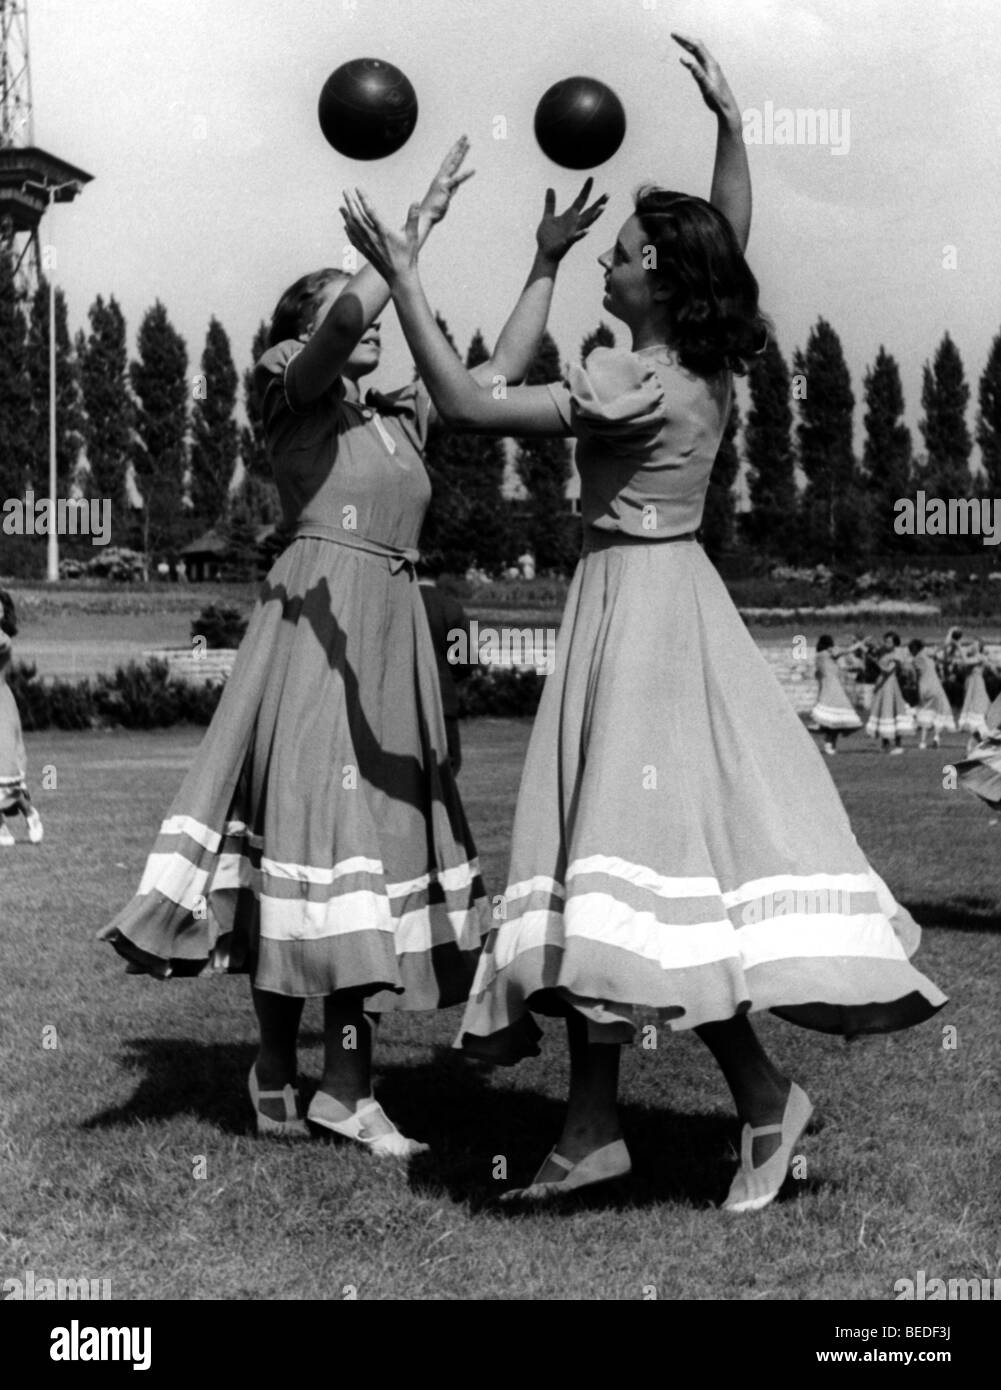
500,691
221,624
117,564
133,697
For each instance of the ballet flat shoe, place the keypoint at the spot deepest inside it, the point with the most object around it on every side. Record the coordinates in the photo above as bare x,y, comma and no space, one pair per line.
392,1145
753,1188
292,1127
603,1165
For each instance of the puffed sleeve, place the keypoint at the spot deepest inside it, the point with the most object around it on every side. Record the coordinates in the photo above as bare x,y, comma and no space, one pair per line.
273,387
411,405
617,398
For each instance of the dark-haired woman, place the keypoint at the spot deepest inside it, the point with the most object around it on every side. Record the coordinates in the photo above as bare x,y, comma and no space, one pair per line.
834,713
319,842
890,716
678,844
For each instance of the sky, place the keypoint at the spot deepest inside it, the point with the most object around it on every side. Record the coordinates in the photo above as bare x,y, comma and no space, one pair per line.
214,188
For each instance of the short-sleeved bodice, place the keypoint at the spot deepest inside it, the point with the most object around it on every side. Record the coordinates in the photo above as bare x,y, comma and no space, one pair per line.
648,432
346,470
827,667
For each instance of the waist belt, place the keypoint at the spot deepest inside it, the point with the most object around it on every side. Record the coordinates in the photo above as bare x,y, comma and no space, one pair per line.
397,556
595,539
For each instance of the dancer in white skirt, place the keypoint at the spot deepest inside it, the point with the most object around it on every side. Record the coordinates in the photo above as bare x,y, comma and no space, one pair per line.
934,714
976,700
15,798
890,716
678,843
833,712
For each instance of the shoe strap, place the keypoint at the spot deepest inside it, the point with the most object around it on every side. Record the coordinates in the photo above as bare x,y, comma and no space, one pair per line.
560,1162
764,1129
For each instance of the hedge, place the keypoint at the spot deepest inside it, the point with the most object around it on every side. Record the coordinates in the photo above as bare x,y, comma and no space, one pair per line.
146,696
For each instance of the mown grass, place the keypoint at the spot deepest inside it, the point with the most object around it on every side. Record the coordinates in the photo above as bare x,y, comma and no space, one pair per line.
128,1150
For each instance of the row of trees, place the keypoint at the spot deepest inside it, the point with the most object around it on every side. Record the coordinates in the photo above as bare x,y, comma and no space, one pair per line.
844,510
175,433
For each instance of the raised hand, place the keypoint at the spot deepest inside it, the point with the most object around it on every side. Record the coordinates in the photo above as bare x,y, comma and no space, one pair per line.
435,202
390,253
709,76
557,232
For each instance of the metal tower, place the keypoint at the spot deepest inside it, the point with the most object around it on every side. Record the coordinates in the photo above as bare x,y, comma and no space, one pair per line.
30,179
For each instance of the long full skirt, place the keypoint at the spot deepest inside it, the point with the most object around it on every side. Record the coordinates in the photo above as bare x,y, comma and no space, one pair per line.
678,842
318,841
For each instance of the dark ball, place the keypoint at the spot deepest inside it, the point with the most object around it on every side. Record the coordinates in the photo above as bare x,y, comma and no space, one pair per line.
580,123
368,109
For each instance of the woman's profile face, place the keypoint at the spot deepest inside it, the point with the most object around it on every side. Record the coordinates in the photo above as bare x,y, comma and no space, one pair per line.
630,288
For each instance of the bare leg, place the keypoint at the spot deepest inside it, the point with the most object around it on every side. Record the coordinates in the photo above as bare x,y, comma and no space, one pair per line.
759,1089
278,1019
347,1060
592,1120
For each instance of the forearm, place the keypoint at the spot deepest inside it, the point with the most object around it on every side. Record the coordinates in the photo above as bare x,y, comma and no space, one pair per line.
355,309
451,386
731,186
519,339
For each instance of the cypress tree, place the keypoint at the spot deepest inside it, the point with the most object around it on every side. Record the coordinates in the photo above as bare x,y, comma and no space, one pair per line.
770,523
830,510
214,444
989,418
944,398
109,409
887,467
159,380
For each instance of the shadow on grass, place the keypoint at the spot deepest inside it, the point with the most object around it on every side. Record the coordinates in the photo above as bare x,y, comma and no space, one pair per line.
967,914
683,1159
206,1081
678,1158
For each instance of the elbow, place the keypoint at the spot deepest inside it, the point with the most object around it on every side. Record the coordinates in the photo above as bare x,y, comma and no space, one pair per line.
461,411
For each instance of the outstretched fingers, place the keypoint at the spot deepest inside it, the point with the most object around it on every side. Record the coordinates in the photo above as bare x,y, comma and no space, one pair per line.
584,194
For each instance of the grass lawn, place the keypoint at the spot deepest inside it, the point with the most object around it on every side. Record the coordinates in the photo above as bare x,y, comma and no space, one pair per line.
128,1150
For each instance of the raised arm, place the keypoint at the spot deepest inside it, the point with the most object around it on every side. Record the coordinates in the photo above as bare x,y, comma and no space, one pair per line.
520,337
366,294
462,401
731,186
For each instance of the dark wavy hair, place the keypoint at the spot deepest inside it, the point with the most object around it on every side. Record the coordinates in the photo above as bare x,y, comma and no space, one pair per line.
825,642
296,309
714,319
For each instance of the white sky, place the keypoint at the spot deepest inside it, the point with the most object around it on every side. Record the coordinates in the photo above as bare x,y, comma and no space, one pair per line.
214,188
